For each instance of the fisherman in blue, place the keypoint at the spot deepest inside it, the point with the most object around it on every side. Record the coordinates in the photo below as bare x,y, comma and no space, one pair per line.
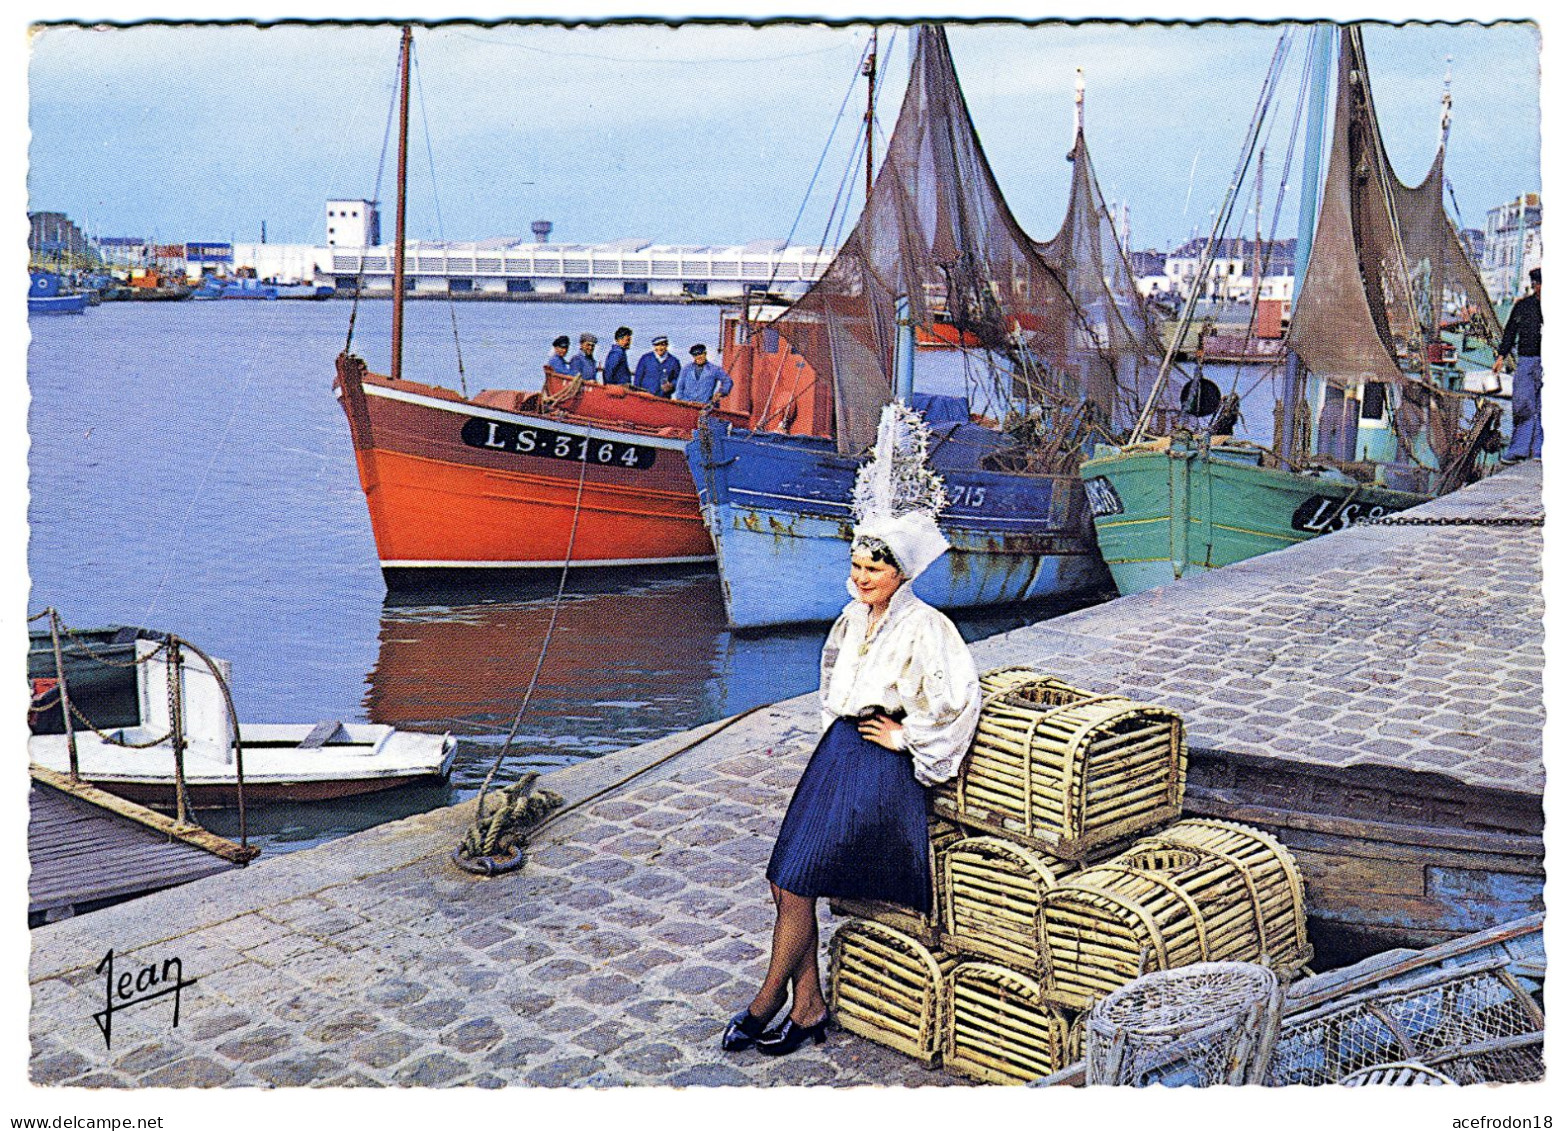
702,381
616,367
657,371
585,363
557,364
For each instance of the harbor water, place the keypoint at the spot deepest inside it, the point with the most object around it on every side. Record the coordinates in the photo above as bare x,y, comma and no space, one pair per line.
191,471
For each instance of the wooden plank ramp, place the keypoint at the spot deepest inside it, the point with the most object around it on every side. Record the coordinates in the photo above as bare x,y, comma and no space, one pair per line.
89,849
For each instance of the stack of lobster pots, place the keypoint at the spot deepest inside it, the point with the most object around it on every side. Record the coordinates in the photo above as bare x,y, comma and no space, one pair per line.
1061,872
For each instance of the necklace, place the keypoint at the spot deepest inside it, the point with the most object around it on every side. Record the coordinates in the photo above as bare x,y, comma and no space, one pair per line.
870,631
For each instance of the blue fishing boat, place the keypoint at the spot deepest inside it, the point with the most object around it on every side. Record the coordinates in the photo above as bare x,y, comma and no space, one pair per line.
1049,341
47,295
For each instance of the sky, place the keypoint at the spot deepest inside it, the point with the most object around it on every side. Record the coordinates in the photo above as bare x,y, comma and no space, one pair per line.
702,134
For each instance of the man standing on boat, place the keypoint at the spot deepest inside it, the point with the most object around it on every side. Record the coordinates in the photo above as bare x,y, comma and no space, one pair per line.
657,371
584,363
557,364
616,369
1522,339
701,381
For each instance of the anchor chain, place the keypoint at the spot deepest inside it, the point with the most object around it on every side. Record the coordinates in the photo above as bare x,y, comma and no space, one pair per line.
1397,520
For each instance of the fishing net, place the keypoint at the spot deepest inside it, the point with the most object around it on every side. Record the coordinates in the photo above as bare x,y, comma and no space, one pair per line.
1473,1023
1056,324
1197,1025
1387,271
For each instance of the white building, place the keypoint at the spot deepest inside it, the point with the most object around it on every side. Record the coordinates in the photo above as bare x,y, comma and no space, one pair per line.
626,268
1231,275
352,223
1505,263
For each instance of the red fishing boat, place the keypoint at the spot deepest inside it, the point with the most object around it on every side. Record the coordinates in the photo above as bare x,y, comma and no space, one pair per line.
589,474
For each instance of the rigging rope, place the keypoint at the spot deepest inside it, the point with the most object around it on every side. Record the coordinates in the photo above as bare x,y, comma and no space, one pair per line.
439,221
379,180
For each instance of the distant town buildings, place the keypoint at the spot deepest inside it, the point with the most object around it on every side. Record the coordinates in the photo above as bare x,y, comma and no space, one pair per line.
53,236
354,256
1511,247
1231,275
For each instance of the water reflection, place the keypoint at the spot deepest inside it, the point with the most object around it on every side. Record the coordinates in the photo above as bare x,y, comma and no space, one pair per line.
630,660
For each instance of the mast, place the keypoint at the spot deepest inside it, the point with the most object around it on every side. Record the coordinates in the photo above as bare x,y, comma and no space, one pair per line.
870,69
1321,39
399,273
1259,231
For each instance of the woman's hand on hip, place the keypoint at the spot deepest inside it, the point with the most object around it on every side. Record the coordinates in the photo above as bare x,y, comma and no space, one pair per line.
883,731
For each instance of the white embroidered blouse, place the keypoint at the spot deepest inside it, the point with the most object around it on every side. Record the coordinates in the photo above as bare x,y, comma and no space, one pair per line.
916,661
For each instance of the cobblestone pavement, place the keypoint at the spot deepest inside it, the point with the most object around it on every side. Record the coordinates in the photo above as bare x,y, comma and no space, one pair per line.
641,920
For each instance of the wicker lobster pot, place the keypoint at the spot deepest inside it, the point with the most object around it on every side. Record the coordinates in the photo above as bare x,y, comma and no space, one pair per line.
990,891
1203,891
890,988
925,928
1063,770
1001,1028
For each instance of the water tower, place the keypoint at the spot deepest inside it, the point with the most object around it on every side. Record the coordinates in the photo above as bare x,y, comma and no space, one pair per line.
540,230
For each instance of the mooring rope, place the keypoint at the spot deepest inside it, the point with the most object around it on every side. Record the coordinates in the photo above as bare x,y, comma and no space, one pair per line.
482,822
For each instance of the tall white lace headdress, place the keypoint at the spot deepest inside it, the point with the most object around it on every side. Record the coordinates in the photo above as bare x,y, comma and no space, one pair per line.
897,498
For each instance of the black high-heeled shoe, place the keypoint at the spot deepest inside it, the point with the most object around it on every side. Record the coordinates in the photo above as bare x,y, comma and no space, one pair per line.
743,1031
789,1036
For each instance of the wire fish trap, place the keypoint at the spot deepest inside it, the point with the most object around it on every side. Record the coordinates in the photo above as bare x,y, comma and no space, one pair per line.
1471,1022
1405,1074
925,928
890,988
990,892
1001,1028
1208,1023
1063,770
1202,891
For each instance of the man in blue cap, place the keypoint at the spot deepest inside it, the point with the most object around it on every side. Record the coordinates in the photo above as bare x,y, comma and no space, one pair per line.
616,367
558,365
657,371
585,362
702,381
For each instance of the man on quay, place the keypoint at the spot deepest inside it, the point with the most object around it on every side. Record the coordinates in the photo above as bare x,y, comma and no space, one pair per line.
616,368
702,381
558,365
657,371
1522,339
584,363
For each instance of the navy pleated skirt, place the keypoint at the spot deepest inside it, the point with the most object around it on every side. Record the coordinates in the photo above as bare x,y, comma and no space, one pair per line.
857,827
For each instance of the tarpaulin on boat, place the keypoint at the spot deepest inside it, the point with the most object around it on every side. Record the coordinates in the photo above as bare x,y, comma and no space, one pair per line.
1056,320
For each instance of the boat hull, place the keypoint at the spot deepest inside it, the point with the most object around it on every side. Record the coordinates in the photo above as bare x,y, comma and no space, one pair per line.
1165,513
499,483
57,304
1389,858
779,512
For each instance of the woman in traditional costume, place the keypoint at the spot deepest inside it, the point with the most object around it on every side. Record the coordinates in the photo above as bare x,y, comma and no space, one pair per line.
899,703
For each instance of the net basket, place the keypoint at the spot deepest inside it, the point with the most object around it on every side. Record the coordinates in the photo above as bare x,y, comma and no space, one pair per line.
990,891
1001,1029
1208,1023
1472,1022
1405,1074
1202,891
1063,770
890,988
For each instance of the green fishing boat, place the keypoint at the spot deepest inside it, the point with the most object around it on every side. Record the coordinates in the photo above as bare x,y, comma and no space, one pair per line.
1375,411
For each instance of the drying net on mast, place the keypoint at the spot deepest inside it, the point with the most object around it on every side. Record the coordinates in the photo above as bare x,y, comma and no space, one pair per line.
1387,271
936,234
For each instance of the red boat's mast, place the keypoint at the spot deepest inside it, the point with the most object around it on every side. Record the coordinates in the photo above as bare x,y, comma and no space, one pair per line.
398,295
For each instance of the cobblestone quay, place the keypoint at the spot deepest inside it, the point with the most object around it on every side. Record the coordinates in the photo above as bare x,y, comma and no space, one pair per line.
641,920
